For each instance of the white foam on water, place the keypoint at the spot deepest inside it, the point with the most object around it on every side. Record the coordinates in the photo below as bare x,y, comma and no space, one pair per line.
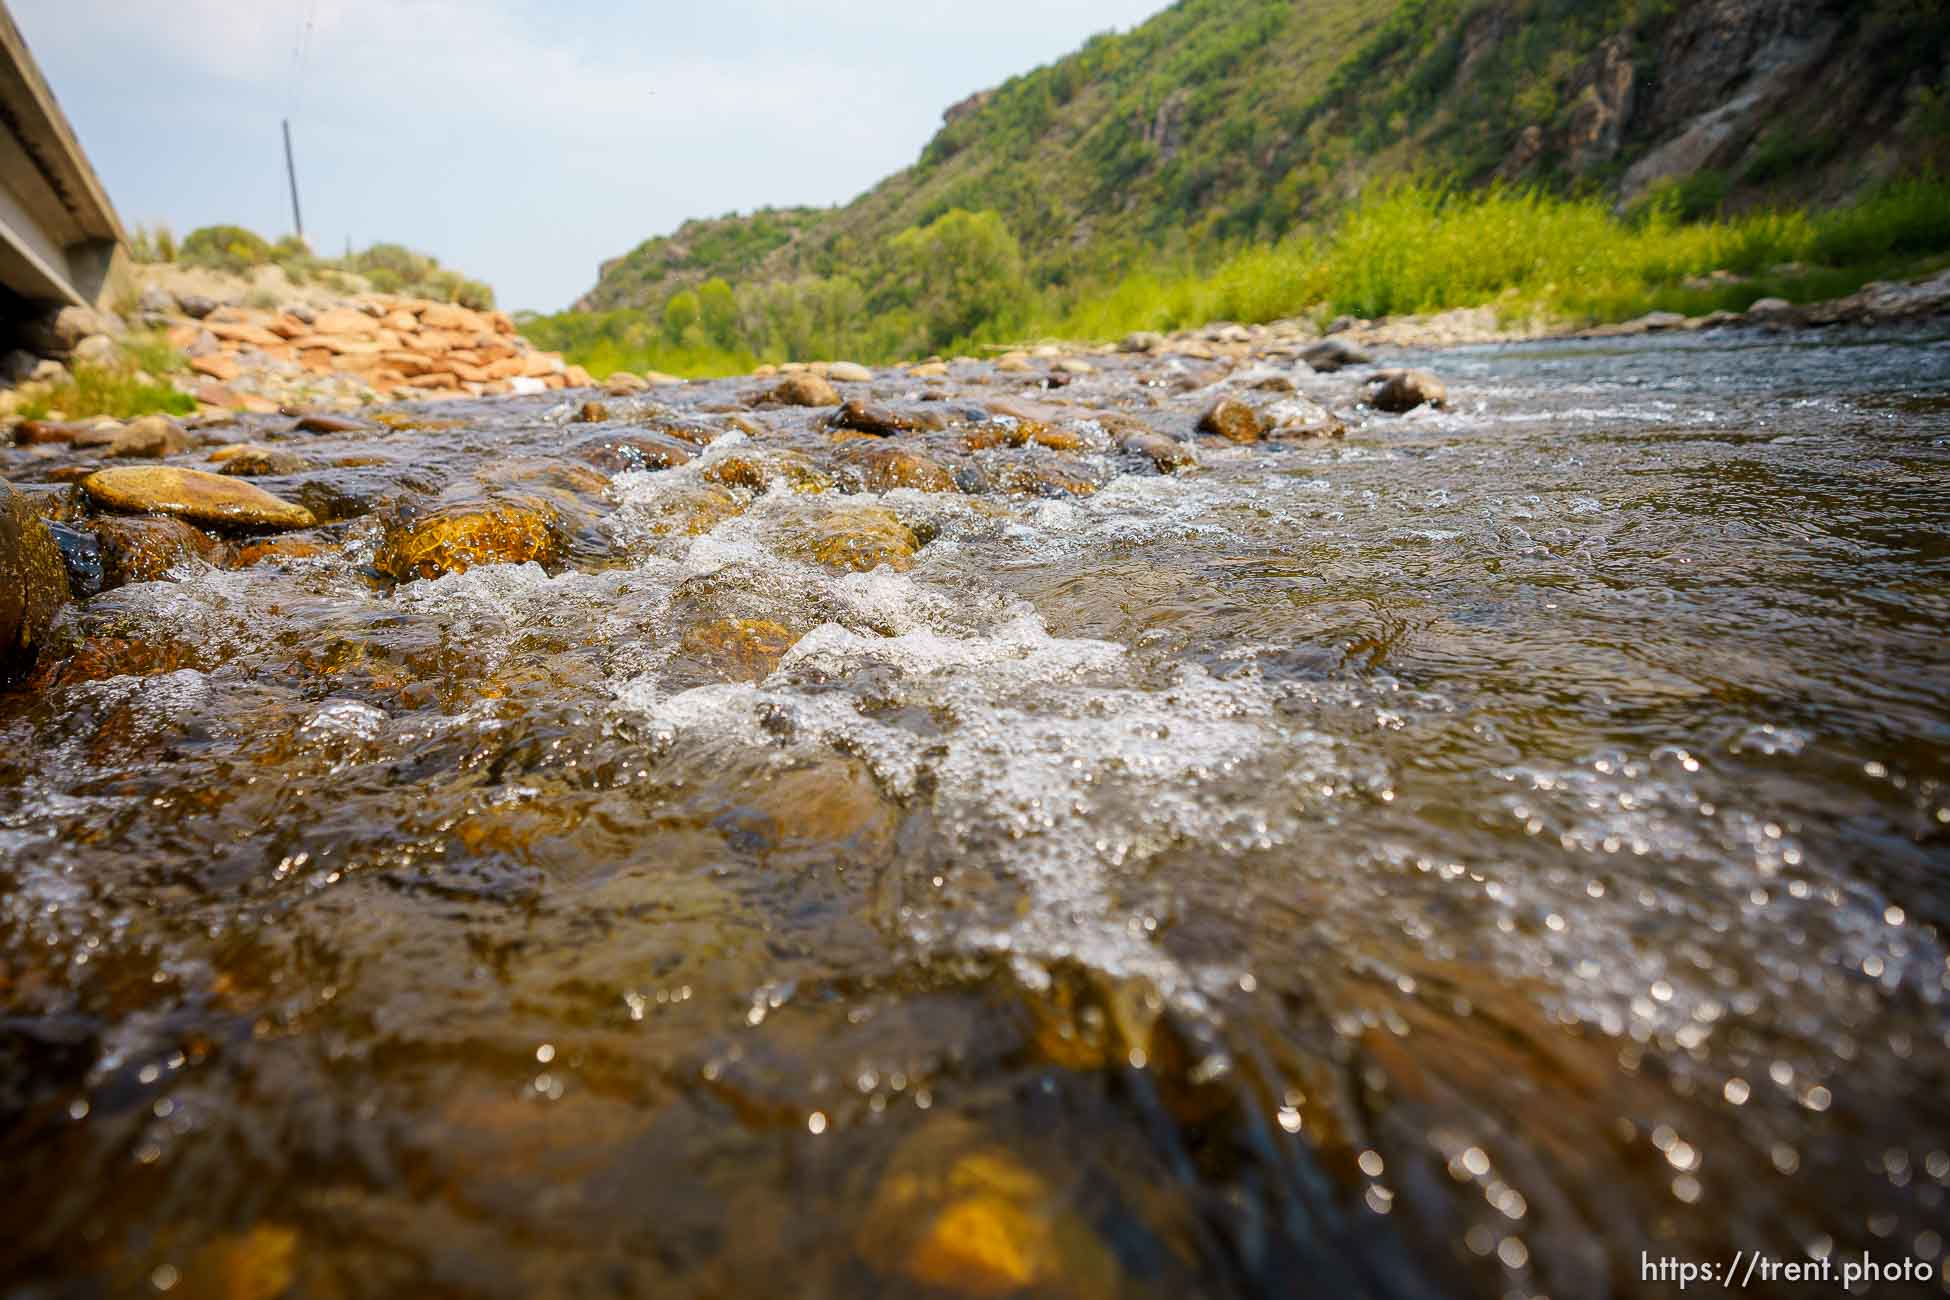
1048,774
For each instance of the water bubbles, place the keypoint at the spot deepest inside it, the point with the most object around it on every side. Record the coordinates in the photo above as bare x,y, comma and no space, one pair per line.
1371,1164
1736,1091
1513,1252
545,1053
164,1277
816,1123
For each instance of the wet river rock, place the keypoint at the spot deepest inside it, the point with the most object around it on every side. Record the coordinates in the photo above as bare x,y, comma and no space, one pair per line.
882,468
1298,417
457,535
194,495
1401,391
1167,455
152,437
250,460
144,548
1331,354
33,583
872,417
617,453
1232,419
803,389
743,649
863,538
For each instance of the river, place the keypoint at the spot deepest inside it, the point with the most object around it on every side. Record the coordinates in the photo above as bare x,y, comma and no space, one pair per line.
1470,857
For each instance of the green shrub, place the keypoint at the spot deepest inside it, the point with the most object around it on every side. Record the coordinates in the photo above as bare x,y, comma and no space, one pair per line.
1910,217
229,248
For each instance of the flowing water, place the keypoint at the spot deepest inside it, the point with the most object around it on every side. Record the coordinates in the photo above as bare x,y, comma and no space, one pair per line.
1457,859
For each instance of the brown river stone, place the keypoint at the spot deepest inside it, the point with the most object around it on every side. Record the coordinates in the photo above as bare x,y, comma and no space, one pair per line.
194,495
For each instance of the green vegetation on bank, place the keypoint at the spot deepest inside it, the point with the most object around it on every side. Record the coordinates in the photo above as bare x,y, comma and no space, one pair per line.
133,383
385,268
960,282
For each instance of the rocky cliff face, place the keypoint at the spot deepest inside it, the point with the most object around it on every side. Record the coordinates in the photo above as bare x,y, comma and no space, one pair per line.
1822,94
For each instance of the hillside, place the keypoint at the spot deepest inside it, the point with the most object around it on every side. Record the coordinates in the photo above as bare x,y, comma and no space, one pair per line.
730,247
1236,158
1221,121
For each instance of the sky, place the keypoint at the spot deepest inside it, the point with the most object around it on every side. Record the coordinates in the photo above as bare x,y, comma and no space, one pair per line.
521,141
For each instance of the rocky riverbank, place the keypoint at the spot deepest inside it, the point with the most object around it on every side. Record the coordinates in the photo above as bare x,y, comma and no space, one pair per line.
243,352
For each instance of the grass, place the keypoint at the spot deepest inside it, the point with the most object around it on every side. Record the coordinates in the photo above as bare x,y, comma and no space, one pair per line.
123,389
1417,249
1405,249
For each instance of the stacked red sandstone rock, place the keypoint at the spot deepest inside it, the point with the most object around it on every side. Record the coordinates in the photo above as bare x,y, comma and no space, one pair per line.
402,348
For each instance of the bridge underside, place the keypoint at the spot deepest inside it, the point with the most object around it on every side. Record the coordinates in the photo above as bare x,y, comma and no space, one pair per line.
60,240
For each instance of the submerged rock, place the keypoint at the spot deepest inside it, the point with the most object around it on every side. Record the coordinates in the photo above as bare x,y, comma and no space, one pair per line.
456,536
1233,419
617,454
1168,455
1331,354
143,548
1057,476
194,495
864,538
33,583
955,1214
744,649
882,469
793,470
1399,391
1297,417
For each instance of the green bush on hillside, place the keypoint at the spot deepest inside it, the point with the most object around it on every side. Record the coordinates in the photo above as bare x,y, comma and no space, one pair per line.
226,248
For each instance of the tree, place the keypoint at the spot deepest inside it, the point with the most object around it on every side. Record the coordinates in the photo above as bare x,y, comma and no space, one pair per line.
680,313
961,272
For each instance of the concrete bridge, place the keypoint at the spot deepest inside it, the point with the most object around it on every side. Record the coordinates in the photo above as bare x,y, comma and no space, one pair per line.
60,240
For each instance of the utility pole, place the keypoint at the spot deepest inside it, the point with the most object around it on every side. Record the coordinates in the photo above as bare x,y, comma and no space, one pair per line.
291,169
